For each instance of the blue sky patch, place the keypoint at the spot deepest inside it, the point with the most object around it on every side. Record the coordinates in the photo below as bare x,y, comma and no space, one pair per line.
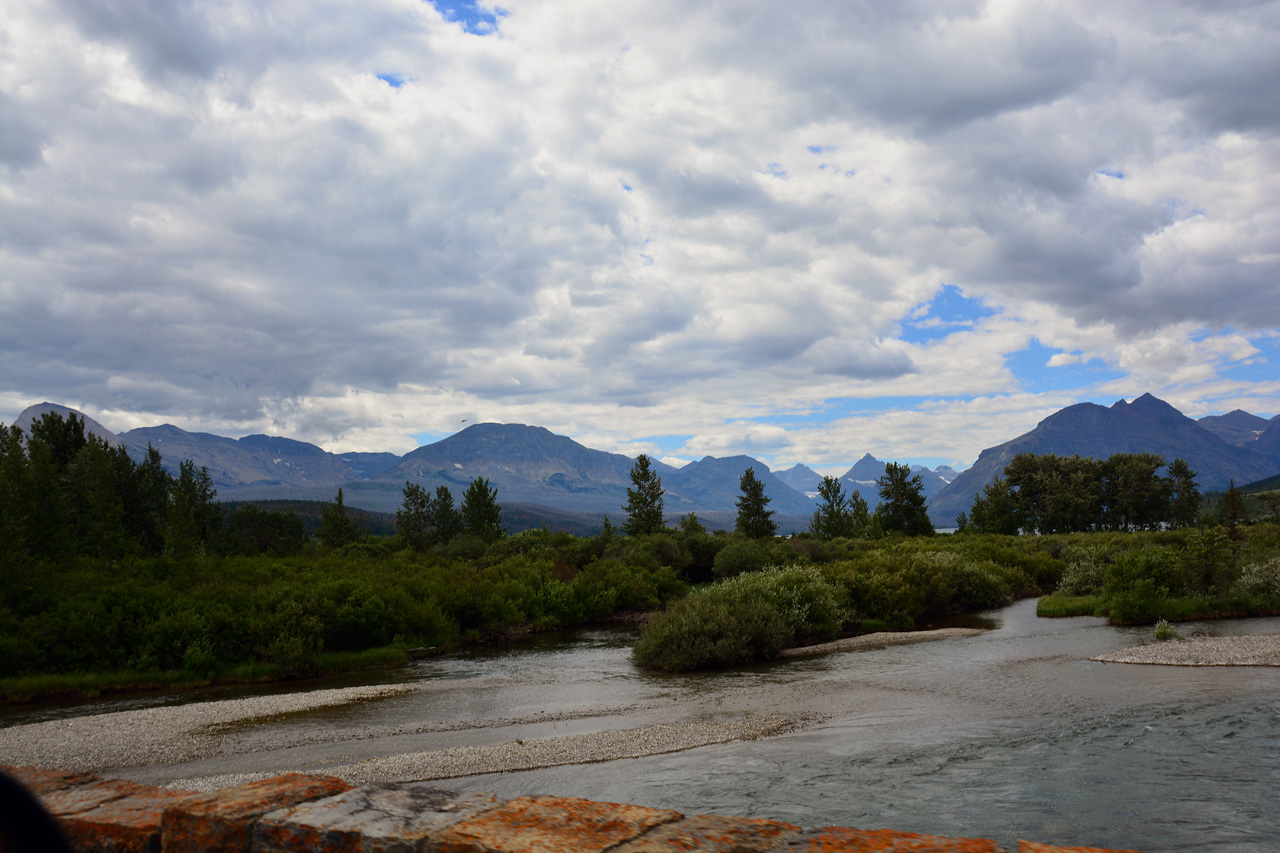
947,312
474,18
775,169
820,149
1112,174
1031,367
628,187
395,81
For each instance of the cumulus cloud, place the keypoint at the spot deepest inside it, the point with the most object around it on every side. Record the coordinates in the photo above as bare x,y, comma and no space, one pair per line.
357,223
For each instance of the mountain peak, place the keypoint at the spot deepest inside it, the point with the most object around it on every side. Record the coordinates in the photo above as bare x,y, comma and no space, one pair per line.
1149,405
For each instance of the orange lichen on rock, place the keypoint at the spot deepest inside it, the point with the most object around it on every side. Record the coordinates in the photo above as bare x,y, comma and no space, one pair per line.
837,839
715,834
125,825
552,825
221,820
40,780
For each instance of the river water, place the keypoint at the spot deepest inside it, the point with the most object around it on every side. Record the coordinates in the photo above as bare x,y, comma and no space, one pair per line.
1011,734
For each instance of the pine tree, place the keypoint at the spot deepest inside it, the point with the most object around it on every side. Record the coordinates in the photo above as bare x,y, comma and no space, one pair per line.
754,520
902,504
644,502
481,515
413,517
1184,504
445,522
336,527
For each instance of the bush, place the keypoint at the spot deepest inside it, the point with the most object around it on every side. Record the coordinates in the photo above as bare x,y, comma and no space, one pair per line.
1262,578
750,617
745,555
705,631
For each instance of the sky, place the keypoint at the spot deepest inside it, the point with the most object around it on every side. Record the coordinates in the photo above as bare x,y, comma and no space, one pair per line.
802,232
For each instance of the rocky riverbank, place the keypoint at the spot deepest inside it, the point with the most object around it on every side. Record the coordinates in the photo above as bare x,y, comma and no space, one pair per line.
1252,650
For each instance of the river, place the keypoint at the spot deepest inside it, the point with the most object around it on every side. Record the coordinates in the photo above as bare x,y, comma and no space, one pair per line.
1011,734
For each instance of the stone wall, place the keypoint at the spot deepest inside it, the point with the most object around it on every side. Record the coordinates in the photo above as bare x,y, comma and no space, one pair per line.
298,812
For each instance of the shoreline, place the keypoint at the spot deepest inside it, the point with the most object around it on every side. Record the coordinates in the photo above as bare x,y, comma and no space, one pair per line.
878,640
1244,650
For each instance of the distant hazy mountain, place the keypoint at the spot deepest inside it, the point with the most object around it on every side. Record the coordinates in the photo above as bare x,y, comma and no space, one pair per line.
253,461
1266,448
862,477
532,466
802,478
526,463
713,484
31,414
369,465
1236,428
1145,425
932,480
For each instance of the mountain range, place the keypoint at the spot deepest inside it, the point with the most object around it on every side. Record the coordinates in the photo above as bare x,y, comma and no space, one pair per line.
532,467
1235,447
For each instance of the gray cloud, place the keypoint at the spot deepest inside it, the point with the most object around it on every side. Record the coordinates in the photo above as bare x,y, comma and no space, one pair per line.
221,210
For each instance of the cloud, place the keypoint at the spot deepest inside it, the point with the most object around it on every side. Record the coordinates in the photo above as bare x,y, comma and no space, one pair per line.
353,222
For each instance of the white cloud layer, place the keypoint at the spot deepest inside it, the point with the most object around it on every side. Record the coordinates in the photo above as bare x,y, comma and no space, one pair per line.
705,222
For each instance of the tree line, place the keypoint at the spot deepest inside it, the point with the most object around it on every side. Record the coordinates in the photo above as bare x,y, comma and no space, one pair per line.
901,508
66,493
1047,493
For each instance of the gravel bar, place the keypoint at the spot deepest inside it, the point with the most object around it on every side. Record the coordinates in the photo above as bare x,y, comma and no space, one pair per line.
1250,650
163,735
534,754
879,640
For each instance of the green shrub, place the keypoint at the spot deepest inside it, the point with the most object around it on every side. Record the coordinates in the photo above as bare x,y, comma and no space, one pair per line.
705,631
744,555
750,617
1261,578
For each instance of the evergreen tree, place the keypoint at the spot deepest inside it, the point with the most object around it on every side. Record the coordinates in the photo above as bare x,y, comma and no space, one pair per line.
1184,500
481,515
832,519
755,521
413,517
64,437
445,521
337,528
644,501
691,526
194,513
902,504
